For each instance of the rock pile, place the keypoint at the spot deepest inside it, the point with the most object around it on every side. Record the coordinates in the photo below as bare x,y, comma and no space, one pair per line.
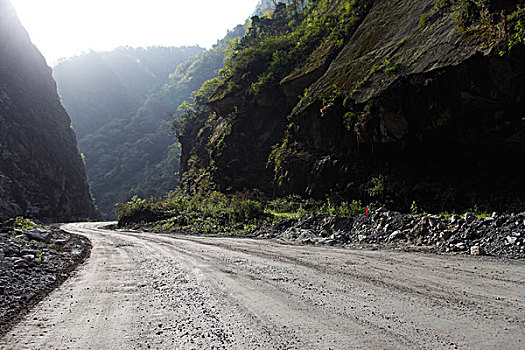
32,263
502,236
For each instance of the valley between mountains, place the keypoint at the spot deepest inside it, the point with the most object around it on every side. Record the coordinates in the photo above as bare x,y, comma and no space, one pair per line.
142,290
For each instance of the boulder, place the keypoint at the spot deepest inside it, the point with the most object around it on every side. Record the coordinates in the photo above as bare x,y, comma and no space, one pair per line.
38,235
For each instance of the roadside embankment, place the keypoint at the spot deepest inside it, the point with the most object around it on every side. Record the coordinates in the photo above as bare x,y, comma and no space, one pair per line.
498,235
32,263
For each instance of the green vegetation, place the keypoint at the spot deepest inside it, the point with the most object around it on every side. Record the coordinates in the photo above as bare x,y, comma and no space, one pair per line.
217,213
498,23
122,104
291,40
24,224
293,37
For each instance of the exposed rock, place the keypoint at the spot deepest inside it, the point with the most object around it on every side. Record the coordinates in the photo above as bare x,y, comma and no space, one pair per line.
38,235
29,269
41,172
447,95
487,236
476,250
403,111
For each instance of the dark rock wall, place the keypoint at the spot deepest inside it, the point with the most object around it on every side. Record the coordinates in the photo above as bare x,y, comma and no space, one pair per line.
432,116
408,110
240,145
41,172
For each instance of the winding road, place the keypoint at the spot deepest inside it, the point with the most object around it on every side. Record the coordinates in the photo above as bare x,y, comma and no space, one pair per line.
150,291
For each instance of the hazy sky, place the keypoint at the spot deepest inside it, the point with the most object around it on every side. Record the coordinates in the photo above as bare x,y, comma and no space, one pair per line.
62,28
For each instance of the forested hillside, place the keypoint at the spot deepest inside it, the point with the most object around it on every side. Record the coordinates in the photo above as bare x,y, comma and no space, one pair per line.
120,104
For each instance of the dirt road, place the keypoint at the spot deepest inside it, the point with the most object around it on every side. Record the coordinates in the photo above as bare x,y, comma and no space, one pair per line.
140,291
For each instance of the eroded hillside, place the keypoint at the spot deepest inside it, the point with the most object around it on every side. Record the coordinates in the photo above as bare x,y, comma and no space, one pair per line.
388,101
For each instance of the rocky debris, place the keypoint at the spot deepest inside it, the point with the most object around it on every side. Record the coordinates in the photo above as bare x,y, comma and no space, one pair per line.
502,236
32,263
38,235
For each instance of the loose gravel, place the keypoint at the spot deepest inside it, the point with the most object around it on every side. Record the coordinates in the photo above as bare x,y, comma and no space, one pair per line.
498,235
33,263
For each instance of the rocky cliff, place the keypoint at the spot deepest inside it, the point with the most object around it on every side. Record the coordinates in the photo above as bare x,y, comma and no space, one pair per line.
415,101
41,172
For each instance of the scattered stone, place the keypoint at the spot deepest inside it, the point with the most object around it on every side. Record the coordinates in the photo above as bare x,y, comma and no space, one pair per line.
470,218
395,235
30,268
455,219
497,236
28,257
476,250
461,246
20,264
7,226
38,235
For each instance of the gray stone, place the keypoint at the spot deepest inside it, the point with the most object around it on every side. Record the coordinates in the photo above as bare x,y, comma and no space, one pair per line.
476,250
461,246
361,238
455,219
470,218
446,234
20,264
395,235
511,240
39,235
28,257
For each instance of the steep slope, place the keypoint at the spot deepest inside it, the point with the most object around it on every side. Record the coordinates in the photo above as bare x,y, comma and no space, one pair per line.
389,101
428,112
41,171
120,103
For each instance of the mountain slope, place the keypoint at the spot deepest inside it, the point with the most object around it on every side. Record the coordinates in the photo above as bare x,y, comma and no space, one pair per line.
389,101
41,172
121,104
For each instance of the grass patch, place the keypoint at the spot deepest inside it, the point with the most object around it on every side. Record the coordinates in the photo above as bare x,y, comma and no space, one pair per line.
216,213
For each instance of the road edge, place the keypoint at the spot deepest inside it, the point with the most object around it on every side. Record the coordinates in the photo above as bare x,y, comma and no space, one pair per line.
61,277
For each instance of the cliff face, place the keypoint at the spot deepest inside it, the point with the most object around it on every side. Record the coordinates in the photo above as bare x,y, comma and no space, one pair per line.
41,172
423,113
411,108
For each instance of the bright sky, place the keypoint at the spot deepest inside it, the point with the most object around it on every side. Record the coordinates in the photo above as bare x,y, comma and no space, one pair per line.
61,28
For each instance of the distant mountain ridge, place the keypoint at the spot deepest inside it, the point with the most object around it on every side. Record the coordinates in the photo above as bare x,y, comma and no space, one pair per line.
121,108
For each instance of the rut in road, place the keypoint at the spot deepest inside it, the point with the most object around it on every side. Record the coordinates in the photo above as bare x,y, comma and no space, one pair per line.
141,290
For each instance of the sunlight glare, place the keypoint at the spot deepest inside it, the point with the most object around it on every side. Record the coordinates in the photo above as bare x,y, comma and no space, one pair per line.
62,28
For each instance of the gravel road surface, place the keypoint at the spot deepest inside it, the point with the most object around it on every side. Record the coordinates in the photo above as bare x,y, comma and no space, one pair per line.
150,291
